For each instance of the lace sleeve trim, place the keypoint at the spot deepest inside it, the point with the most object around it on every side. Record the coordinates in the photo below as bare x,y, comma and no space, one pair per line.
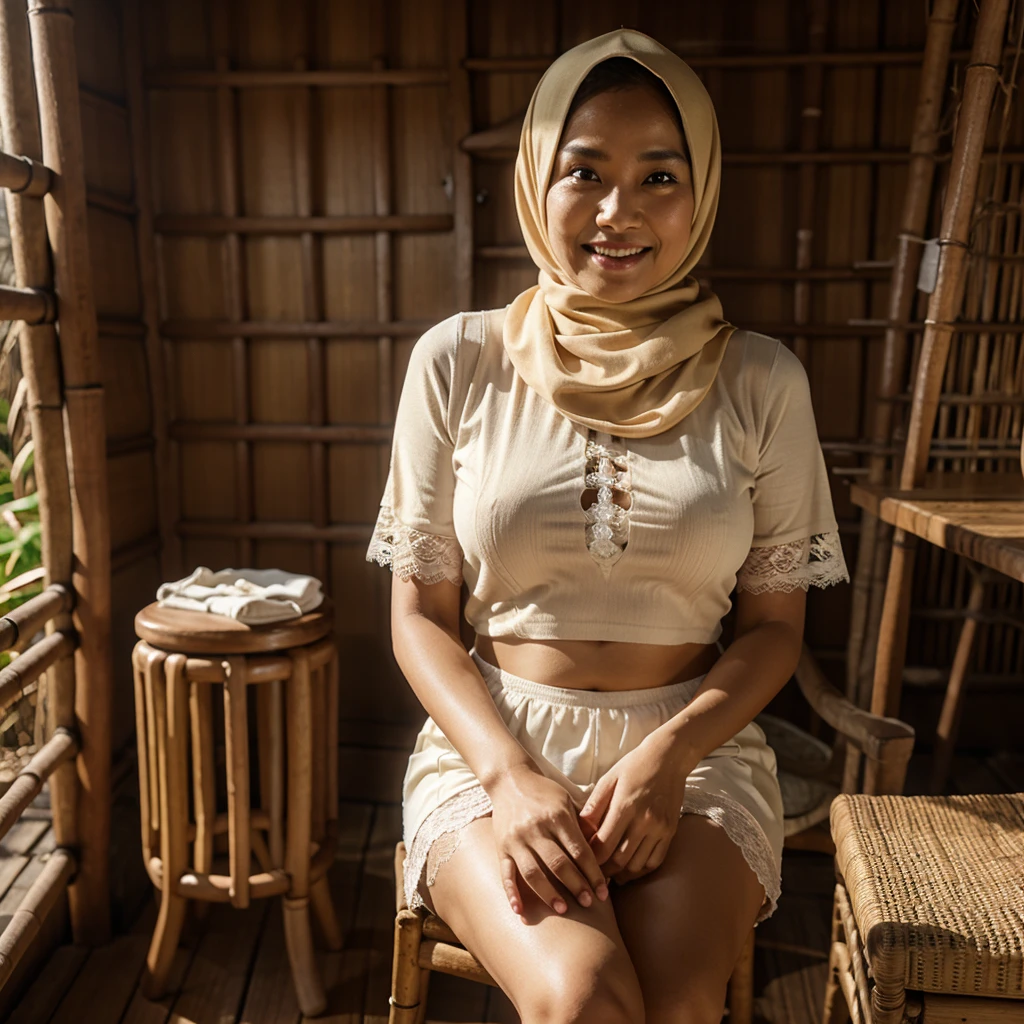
816,560
409,553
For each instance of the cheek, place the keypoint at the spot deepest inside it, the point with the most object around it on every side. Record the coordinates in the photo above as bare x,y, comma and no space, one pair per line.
567,216
675,221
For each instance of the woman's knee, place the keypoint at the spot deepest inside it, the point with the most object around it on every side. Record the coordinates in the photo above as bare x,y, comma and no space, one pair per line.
697,1004
607,995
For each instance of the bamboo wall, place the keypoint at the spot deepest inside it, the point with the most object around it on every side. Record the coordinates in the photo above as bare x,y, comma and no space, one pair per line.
125,365
280,206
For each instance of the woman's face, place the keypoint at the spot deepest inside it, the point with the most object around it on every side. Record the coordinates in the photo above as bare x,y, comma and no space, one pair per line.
620,202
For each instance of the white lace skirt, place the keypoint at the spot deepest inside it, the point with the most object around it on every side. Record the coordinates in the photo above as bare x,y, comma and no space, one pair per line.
575,736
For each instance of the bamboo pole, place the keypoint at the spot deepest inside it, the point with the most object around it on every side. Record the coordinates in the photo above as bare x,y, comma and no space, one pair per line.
40,359
32,664
32,305
168,506
28,784
27,921
810,134
462,162
56,74
22,174
234,273
979,87
215,224
20,625
869,574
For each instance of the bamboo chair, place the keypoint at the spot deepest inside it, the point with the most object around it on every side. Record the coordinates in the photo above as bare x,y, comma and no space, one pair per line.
975,362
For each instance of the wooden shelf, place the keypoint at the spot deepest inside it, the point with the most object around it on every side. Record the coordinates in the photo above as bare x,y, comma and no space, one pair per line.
979,516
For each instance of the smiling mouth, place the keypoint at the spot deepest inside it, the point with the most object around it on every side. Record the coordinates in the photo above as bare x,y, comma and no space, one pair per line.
616,252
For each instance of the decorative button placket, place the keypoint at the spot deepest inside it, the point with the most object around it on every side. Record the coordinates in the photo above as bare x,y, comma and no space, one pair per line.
607,523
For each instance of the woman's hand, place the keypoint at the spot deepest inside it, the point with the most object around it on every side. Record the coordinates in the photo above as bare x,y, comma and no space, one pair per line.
633,812
540,840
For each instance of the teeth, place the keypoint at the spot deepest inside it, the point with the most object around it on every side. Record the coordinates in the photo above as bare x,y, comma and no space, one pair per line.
617,252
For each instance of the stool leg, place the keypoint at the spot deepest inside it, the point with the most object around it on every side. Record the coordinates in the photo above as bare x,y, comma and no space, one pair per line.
323,907
836,1011
297,935
408,990
170,705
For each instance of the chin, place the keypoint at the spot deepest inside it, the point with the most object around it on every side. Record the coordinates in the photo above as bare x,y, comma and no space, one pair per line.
613,292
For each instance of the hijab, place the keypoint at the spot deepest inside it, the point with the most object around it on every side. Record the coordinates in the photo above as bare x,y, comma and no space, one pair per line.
632,368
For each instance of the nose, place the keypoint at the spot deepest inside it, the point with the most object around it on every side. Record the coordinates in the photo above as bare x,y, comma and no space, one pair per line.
619,211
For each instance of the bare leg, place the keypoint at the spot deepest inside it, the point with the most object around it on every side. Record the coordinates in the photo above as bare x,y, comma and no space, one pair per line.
685,924
563,968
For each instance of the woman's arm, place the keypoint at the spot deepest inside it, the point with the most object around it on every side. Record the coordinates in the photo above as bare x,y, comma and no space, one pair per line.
536,827
635,807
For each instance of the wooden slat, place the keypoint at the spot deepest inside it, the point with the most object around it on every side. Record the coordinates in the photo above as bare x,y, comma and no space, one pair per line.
50,986
213,329
223,78
211,224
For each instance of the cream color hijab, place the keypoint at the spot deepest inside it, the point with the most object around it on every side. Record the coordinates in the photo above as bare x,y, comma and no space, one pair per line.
631,368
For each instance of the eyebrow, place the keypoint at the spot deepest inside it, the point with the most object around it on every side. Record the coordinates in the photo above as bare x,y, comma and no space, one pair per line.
648,156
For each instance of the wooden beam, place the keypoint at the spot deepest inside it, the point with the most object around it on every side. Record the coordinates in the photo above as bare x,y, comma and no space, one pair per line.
32,305
226,79
205,224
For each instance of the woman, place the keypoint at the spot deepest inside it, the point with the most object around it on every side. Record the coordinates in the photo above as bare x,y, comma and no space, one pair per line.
601,463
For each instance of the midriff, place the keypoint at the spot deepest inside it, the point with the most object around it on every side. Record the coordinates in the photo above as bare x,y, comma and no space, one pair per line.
598,665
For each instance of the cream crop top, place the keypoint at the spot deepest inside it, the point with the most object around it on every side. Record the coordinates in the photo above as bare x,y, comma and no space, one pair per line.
491,485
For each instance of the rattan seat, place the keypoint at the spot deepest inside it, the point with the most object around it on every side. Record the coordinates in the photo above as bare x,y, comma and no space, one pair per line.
931,896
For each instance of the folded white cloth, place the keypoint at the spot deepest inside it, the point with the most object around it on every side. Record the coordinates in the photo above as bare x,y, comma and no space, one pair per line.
253,596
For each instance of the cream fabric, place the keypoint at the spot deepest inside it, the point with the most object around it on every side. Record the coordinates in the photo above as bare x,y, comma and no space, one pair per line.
575,737
628,368
253,596
487,477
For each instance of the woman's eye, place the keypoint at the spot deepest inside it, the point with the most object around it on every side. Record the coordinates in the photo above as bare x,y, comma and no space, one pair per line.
661,178
583,174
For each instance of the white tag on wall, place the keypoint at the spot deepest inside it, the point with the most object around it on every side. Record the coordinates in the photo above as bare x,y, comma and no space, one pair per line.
928,272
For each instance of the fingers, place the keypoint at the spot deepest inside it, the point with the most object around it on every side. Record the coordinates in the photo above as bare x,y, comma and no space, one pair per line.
658,854
638,861
509,884
585,861
536,877
608,838
597,804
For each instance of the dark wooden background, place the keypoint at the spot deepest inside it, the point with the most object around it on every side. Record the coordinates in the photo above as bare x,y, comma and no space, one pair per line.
280,204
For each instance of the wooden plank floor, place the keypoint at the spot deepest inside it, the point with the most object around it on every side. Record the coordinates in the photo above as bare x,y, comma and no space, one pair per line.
233,968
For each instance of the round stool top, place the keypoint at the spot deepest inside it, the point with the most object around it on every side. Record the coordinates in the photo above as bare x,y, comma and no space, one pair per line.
185,632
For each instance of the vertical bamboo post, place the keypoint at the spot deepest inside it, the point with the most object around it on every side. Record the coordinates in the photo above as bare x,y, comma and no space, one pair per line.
168,507
810,133
40,359
56,73
462,162
383,247
305,106
972,125
234,275
869,574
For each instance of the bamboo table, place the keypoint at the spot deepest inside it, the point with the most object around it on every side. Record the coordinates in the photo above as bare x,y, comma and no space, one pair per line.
290,670
980,518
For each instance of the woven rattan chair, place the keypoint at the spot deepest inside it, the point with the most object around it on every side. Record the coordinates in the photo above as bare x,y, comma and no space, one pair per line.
928,924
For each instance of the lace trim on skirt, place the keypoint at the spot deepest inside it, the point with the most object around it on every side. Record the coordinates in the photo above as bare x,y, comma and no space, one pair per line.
437,839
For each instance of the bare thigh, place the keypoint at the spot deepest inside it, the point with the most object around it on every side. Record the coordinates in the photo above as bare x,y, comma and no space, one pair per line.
566,967
685,923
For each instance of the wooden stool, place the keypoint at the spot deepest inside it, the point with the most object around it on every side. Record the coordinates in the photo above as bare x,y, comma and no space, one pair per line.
928,923
424,943
292,668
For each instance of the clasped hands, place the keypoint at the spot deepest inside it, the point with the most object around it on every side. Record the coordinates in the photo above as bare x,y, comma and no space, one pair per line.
622,832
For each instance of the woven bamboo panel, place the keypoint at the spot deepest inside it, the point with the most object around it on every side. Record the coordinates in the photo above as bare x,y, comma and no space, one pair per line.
285,342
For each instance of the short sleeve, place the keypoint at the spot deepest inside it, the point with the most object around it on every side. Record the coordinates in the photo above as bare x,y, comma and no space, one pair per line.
414,534
796,537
